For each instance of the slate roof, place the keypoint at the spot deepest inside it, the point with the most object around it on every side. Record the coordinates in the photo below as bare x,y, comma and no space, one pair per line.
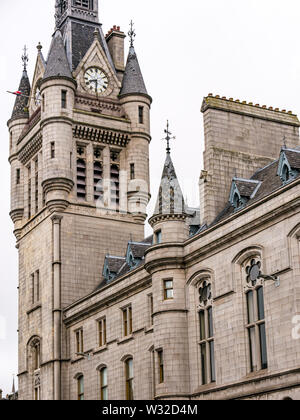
246,187
57,62
114,263
133,81
168,203
293,156
81,39
138,249
270,182
20,107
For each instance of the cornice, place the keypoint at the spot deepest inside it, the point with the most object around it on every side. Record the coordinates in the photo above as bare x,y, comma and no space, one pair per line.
167,218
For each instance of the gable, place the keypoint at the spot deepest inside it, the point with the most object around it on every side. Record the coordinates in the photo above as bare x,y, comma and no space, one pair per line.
37,77
96,58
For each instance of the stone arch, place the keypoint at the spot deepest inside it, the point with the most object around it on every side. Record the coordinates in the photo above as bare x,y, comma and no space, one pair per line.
34,344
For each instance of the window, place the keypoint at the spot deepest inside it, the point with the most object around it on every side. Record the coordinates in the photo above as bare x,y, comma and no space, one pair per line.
256,327
36,181
43,103
85,4
79,341
115,180
129,379
132,171
37,393
160,357
141,114
81,173
285,173
29,192
206,334
168,290
52,150
18,176
151,309
127,321
158,237
102,332
37,355
80,388
35,287
64,99
103,382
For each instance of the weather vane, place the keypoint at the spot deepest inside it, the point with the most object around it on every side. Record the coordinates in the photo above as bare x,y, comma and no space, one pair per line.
131,34
168,138
25,58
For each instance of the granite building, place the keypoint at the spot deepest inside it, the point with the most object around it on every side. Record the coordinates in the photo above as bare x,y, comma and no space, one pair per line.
208,307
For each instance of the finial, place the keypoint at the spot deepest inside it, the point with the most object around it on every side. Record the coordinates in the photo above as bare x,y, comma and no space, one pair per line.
39,47
25,58
131,34
168,138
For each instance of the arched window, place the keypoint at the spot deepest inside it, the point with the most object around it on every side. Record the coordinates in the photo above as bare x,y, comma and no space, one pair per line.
285,173
80,388
206,332
37,355
103,384
129,379
256,327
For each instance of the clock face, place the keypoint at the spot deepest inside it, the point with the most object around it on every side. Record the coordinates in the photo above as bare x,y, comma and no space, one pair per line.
96,80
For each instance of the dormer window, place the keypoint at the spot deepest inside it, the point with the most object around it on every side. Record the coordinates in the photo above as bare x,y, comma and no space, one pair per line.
289,164
243,190
236,201
285,173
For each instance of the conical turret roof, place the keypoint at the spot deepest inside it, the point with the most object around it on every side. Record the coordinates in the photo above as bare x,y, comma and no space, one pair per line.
133,81
20,109
170,198
57,62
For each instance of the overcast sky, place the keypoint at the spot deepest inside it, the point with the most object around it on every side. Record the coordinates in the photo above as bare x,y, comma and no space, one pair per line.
248,50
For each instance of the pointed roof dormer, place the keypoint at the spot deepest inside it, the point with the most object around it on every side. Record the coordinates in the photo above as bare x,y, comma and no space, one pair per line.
57,63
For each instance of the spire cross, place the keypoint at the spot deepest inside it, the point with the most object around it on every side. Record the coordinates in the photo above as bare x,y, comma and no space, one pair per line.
25,58
131,34
168,138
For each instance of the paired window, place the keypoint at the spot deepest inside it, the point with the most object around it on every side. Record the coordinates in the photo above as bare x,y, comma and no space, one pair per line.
102,332
129,379
168,289
127,321
79,341
80,388
206,332
256,327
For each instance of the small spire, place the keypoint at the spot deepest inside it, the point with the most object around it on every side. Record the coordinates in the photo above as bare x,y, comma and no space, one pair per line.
25,58
131,34
168,138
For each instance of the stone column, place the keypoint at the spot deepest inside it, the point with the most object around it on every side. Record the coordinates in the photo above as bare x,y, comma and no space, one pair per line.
56,220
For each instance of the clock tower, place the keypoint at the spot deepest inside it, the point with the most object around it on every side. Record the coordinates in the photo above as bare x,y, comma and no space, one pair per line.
79,153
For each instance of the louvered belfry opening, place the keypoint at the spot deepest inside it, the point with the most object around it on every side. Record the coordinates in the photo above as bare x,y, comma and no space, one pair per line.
115,179
81,173
98,175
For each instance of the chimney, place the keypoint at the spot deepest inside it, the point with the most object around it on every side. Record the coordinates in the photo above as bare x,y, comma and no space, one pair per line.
115,42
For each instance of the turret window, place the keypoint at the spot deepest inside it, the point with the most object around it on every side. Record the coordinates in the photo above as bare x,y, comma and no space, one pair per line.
18,176
160,357
52,150
64,99
85,4
141,114
132,171
168,289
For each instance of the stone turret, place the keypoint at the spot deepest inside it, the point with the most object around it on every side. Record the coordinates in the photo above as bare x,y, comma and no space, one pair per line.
169,218
16,124
57,90
137,103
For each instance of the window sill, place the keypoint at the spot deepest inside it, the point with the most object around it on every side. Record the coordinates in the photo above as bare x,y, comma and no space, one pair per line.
34,308
257,374
101,349
125,339
78,359
149,330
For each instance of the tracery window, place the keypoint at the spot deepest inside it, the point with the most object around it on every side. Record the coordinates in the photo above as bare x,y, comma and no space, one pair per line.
206,333
256,326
